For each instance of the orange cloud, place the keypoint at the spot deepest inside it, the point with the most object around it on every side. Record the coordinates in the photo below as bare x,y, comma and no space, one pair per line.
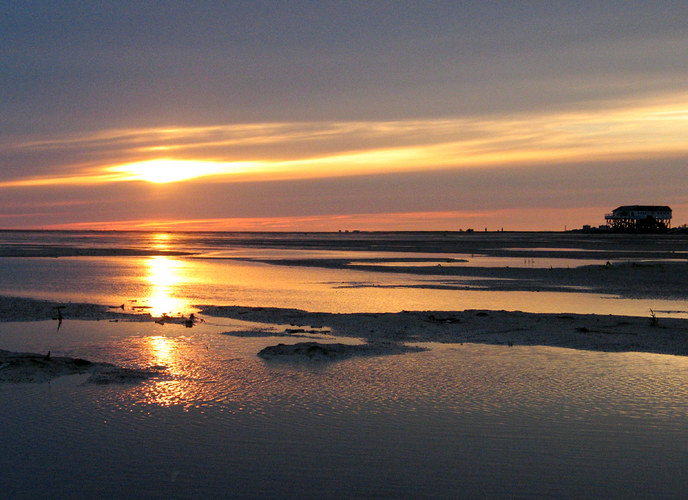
508,219
276,151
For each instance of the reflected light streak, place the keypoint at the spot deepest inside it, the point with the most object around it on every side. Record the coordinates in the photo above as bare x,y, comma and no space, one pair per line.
163,351
164,276
160,241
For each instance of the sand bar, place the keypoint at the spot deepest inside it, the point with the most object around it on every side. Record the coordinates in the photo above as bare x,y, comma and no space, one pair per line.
593,332
36,368
576,331
637,280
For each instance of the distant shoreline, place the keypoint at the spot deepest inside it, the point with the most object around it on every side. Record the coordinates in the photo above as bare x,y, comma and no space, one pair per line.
578,231
342,232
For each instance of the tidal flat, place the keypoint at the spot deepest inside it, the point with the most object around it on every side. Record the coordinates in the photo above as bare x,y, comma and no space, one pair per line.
399,365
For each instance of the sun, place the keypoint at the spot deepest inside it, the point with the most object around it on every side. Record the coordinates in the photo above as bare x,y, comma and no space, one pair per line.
164,171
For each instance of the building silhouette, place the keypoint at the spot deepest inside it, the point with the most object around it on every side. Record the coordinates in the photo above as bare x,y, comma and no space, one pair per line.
639,218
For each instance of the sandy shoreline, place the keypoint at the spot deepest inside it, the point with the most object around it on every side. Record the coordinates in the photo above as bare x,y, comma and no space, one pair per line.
653,269
27,309
577,331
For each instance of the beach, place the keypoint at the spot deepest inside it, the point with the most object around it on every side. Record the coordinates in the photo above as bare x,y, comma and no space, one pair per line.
175,375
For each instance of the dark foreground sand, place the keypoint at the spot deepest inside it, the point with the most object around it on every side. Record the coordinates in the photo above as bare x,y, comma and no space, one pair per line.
31,367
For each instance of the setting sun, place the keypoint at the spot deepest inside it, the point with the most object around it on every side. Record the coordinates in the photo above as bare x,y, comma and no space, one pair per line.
164,170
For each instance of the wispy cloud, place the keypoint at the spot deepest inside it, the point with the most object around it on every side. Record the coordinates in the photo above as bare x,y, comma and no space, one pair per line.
272,151
513,219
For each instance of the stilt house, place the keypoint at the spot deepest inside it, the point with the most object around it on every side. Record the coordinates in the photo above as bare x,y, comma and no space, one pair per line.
639,218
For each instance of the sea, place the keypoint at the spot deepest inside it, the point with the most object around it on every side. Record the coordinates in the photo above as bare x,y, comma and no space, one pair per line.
453,421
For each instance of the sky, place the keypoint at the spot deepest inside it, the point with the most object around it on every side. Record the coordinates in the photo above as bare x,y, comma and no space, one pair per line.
325,116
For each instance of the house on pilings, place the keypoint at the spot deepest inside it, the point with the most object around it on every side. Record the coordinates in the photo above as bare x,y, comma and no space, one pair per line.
639,219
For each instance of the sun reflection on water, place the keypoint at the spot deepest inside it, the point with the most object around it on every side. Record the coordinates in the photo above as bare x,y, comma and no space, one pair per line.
160,241
164,351
190,375
161,350
165,276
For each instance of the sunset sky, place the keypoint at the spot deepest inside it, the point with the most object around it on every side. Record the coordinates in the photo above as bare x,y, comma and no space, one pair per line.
317,115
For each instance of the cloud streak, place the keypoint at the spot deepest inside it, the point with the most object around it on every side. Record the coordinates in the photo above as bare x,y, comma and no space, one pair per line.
269,151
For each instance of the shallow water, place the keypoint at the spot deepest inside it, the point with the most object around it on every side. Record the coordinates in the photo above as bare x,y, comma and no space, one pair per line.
172,285
175,284
491,261
480,420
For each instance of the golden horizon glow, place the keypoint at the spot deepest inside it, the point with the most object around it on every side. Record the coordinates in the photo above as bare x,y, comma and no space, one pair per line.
510,219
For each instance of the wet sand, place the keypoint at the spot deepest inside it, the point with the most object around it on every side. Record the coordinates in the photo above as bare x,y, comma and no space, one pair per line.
38,368
509,328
